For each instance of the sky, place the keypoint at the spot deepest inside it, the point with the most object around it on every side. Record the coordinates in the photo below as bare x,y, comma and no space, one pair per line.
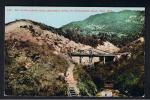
58,16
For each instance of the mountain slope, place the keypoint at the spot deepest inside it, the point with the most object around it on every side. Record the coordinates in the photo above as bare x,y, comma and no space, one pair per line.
116,27
26,30
33,70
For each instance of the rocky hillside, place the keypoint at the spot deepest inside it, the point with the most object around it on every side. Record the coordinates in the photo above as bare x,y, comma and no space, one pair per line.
116,27
26,30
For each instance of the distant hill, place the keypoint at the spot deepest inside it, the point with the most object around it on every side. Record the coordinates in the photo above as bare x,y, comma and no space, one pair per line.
116,27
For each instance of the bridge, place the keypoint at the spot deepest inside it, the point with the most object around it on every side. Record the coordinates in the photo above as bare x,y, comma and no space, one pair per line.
95,53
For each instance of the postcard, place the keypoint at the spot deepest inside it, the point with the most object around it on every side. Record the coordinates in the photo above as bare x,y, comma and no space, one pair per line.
74,51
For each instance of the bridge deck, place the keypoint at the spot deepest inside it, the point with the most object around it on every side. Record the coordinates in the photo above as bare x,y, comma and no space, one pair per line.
92,55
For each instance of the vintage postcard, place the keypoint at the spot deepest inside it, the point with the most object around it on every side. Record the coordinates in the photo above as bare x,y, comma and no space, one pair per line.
74,51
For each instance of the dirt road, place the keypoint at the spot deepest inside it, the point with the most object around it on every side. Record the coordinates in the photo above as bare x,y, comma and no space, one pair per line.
69,78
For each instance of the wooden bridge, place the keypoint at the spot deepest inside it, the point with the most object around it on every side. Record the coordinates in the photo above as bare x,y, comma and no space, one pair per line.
91,53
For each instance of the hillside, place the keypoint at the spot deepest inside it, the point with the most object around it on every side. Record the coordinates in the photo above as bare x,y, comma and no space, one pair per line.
116,27
132,69
36,60
30,70
27,30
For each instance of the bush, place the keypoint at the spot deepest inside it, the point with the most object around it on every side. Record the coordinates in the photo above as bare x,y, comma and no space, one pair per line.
25,76
85,83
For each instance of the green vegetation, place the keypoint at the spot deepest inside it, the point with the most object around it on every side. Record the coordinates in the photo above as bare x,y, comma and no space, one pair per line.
85,83
117,27
131,71
127,74
33,70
